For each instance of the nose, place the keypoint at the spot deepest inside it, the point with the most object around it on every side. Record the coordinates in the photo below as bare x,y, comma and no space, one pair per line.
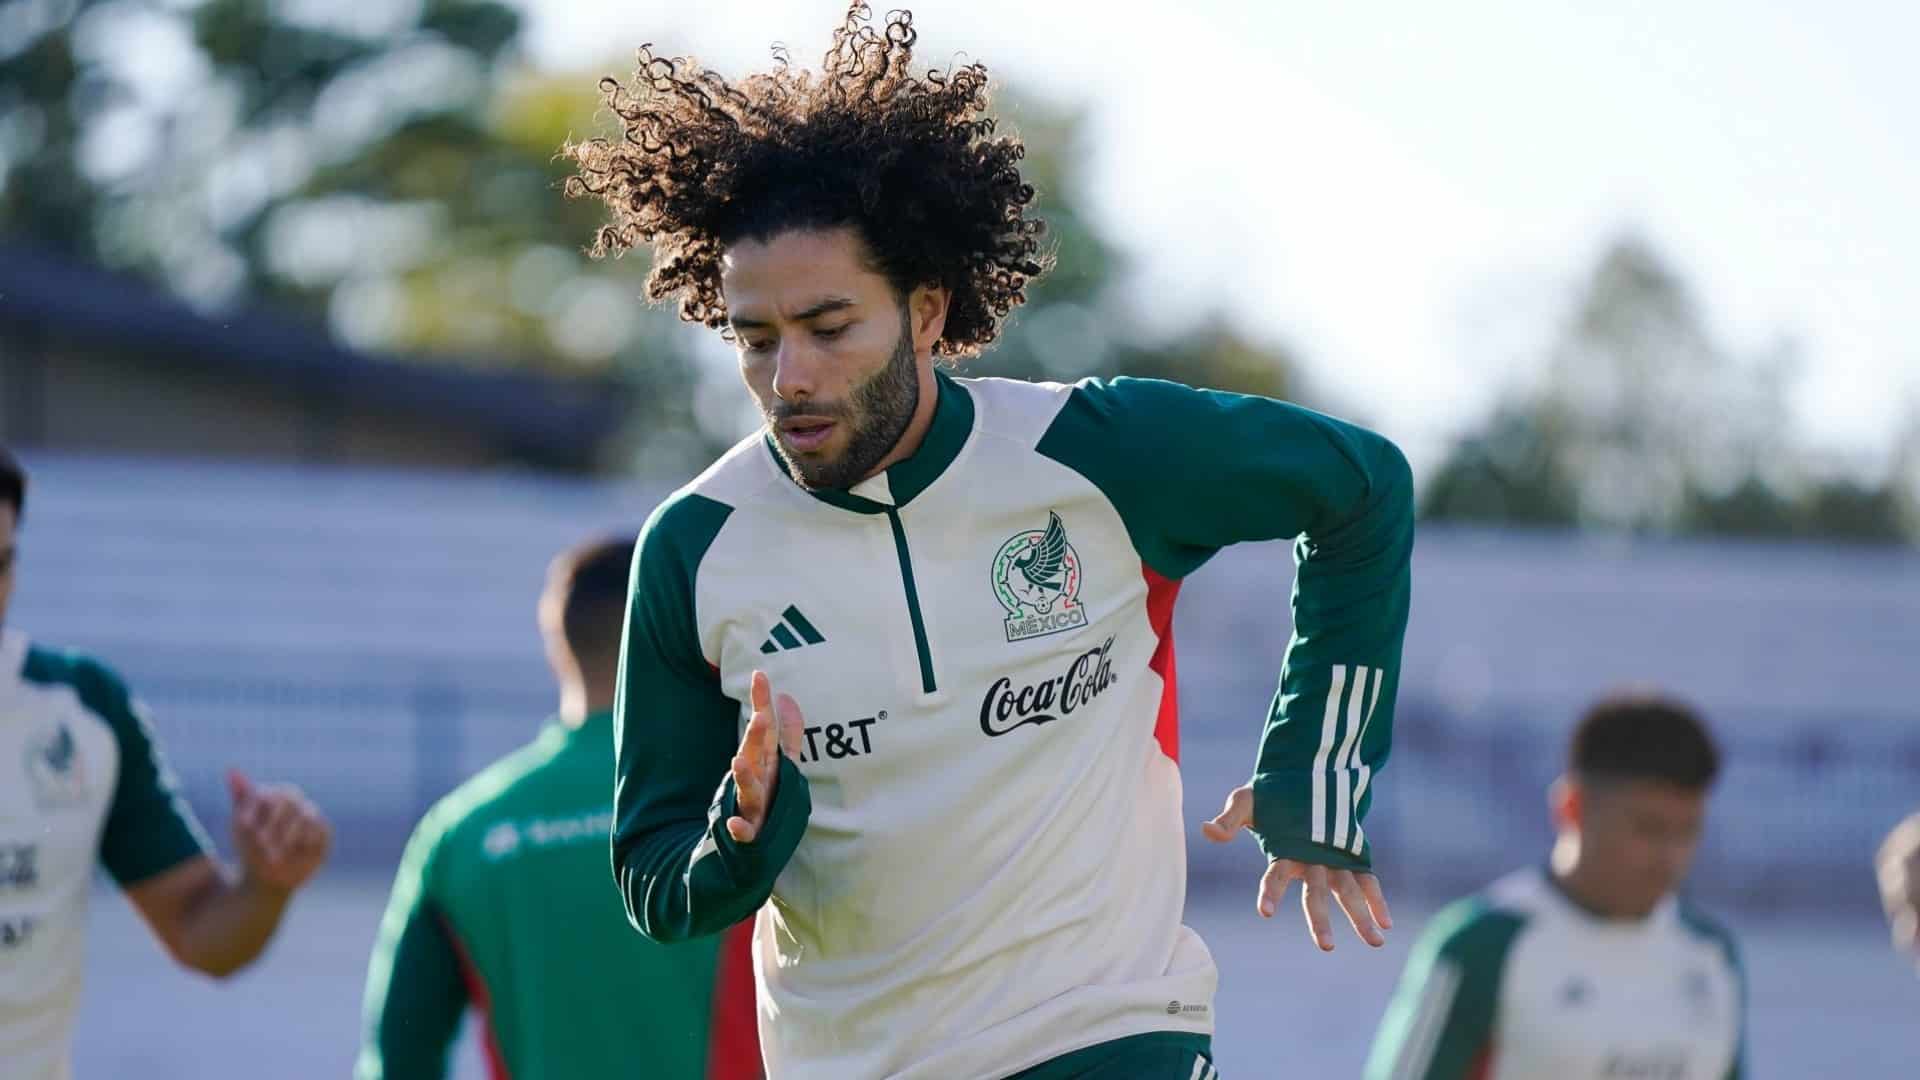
796,370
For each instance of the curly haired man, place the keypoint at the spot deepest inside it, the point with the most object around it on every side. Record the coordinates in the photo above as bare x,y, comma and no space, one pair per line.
898,677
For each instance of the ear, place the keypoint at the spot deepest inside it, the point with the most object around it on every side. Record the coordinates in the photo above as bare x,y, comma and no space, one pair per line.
1566,804
927,314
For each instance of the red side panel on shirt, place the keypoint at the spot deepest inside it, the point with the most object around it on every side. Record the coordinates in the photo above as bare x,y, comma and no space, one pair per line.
1161,593
482,1003
733,1036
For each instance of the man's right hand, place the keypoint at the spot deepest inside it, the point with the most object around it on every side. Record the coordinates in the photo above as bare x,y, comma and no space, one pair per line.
775,727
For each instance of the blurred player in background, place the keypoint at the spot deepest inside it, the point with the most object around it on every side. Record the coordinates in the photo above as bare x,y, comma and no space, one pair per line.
82,780
1591,966
972,838
503,904
1898,869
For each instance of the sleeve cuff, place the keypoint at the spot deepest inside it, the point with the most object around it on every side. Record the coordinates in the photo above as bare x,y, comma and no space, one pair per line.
1306,851
1283,821
764,858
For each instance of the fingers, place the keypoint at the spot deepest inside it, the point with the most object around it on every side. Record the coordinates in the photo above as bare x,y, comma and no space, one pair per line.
1234,816
281,837
775,726
247,814
1357,892
267,827
791,724
741,830
239,787
322,838
277,832
1273,885
749,787
312,837
760,693
1376,900
759,741
1313,902
254,814
749,762
300,830
1345,885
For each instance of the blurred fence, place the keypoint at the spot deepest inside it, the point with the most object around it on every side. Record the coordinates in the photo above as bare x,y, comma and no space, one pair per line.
369,635
1801,804
1793,824
375,754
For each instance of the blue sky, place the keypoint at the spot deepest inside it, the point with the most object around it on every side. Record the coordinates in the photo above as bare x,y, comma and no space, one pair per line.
1408,192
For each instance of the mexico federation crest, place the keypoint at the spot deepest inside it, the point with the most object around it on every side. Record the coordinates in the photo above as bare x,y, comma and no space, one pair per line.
55,768
1036,576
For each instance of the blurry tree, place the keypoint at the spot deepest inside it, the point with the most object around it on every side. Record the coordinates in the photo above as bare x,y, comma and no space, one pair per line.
1643,422
384,166
160,135
389,167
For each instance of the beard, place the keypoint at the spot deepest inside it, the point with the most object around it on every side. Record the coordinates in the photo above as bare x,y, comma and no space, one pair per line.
875,416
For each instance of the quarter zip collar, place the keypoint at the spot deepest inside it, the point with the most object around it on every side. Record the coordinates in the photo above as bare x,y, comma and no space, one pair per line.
1661,914
900,482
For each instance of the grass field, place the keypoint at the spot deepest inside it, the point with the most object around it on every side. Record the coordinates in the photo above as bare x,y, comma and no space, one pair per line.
1829,1000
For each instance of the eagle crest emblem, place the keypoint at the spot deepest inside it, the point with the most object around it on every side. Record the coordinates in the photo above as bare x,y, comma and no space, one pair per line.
1036,577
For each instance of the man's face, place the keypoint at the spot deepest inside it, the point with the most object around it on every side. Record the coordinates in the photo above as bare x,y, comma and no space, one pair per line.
828,350
9,523
1640,837
1899,873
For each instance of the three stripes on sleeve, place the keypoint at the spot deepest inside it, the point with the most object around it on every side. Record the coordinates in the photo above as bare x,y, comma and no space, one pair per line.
1351,699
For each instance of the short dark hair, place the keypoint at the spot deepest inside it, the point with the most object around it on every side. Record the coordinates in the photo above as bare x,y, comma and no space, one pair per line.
591,582
13,482
1644,735
910,161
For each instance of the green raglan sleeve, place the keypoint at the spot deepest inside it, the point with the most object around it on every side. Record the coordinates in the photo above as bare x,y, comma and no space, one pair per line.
1713,931
1738,1070
1441,1022
149,829
675,733
415,995
1192,471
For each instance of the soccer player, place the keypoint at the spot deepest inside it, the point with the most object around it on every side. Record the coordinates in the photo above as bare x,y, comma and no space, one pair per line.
1898,868
903,661
1591,966
502,902
81,779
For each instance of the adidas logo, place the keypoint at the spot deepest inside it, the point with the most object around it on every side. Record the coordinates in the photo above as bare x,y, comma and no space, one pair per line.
793,631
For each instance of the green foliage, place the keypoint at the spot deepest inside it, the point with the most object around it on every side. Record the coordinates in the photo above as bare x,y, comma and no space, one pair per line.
389,169
1645,423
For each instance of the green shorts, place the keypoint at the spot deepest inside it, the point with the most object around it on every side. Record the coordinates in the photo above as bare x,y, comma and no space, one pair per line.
1157,1055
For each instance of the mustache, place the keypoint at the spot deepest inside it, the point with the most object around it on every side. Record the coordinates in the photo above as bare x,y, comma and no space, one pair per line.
811,410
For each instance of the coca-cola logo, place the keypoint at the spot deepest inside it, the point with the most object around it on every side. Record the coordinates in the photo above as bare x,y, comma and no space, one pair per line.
1005,708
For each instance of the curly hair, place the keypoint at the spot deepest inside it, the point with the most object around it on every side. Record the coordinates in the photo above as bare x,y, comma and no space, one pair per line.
911,162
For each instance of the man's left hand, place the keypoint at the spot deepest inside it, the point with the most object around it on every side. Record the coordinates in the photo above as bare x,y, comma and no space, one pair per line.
1357,891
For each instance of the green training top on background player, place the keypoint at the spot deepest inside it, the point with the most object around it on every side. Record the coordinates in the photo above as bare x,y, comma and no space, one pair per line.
502,902
941,609
1591,967
82,781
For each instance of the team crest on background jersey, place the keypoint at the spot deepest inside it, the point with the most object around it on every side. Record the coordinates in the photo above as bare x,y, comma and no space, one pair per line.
1036,576
55,768
501,841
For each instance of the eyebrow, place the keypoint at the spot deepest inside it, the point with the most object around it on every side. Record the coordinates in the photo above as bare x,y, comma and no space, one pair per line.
823,307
